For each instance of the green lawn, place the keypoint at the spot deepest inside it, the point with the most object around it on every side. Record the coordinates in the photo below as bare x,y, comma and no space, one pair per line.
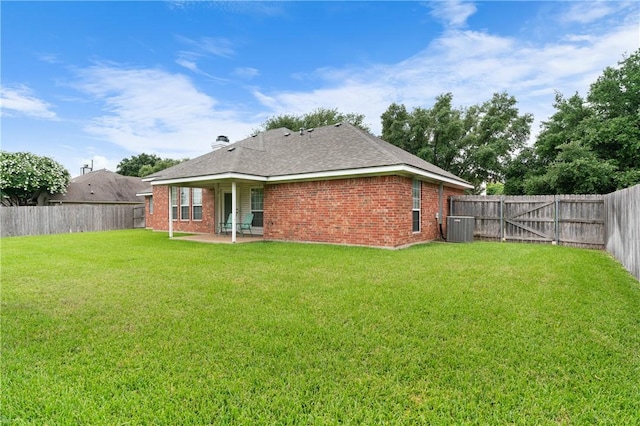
129,327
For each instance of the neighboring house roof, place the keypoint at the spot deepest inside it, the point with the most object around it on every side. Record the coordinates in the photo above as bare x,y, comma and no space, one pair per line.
284,155
102,187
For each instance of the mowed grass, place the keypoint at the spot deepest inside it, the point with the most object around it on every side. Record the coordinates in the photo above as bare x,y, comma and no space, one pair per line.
129,327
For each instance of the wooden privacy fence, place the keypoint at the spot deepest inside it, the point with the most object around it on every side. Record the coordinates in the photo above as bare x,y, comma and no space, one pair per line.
622,215
574,220
32,220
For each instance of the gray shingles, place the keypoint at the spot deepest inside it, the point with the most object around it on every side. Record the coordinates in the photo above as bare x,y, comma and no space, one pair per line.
102,186
325,149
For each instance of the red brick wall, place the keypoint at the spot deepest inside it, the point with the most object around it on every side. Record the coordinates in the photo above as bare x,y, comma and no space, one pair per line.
375,211
159,220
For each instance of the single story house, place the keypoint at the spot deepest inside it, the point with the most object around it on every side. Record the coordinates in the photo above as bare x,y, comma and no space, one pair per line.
333,184
102,187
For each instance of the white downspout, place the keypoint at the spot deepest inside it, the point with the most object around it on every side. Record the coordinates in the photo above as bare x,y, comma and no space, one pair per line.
170,212
233,211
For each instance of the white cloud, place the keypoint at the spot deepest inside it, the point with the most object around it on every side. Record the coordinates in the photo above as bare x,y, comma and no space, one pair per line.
20,101
190,65
453,13
214,46
587,12
246,73
153,111
472,65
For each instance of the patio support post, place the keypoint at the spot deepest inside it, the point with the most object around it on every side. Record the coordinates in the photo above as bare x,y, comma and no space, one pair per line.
233,211
170,212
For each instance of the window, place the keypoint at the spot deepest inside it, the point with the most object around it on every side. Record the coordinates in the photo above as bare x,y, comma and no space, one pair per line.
174,203
257,206
196,203
416,205
184,203
151,204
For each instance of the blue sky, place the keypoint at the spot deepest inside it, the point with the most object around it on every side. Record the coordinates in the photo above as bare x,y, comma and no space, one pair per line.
103,81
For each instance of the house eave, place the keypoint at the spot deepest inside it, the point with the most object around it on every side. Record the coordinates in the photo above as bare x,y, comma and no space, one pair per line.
401,169
209,178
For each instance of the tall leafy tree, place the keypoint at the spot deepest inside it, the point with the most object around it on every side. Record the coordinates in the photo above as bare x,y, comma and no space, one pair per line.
587,146
316,118
475,143
162,164
26,178
131,166
145,164
395,126
615,127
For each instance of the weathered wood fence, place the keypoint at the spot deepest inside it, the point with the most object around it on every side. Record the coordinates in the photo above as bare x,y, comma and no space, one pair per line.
610,222
622,216
32,220
574,220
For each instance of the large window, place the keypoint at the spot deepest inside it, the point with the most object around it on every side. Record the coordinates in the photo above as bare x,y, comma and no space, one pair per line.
174,203
257,206
184,203
416,205
196,203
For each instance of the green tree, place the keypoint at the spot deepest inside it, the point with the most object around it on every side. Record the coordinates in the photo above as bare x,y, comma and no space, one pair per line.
395,126
476,143
614,129
26,178
316,118
587,146
495,188
162,164
131,166
145,164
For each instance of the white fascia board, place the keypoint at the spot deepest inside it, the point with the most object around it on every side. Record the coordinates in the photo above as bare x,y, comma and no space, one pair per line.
369,171
319,175
148,179
437,177
221,176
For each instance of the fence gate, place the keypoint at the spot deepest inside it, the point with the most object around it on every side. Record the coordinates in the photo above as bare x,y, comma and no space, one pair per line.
138,217
576,220
530,220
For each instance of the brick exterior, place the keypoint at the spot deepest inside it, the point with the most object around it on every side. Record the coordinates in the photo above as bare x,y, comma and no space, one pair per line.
372,211
159,219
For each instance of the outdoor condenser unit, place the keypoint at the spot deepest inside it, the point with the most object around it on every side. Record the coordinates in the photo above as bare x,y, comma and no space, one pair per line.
460,229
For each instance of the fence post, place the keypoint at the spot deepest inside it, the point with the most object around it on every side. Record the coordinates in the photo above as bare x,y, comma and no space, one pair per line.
556,218
502,218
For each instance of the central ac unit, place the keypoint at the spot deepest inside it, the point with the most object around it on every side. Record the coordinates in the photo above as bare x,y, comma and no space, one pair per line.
460,229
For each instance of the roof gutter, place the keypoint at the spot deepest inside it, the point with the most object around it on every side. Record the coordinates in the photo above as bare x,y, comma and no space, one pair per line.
333,174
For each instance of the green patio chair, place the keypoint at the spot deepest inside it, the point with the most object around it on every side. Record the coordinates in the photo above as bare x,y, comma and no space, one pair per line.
246,224
228,226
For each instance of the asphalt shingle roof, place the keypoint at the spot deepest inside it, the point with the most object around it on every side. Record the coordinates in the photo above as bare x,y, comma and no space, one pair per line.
103,186
282,152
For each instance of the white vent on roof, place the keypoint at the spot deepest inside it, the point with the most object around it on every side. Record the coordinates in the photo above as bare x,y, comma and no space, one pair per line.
221,141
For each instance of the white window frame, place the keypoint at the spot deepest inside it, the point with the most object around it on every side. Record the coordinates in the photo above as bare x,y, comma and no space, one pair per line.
185,198
261,189
174,202
416,195
196,201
